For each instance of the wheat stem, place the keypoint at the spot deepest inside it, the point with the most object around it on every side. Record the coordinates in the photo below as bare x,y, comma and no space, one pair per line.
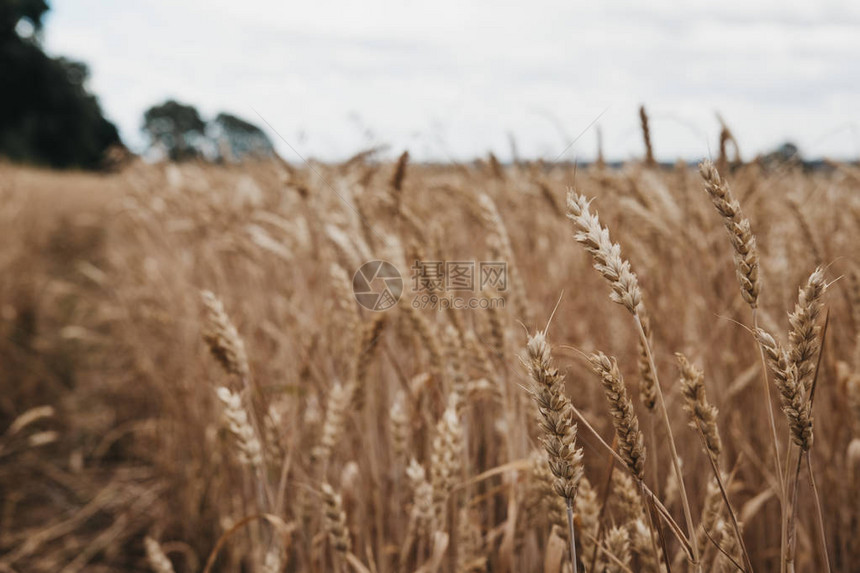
676,460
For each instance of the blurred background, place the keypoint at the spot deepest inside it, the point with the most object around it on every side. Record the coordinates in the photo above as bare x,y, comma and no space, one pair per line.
188,189
447,80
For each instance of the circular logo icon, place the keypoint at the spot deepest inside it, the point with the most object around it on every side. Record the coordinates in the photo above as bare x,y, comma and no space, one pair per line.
377,285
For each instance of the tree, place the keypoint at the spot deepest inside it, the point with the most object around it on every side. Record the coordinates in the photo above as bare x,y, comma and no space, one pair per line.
237,138
177,128
47,116
13,11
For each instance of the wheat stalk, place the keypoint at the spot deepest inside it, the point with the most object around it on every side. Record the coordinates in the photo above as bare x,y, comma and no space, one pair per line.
222,337
625,291
738,226
156,557
804,339
607,255
702,414
646,136
237,420
618,546
335,520
446,458
557,425
631,443
797,409
366,349
339,400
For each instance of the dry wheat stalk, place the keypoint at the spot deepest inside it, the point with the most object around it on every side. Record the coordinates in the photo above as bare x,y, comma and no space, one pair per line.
398,177
501,249
471,556
339,400
272,562
422,498
631,443
557,425
738,226
446,461
544,487
272,424
495,332
625,291
344,298
588,512
703,415
335,520
712,510
601,161
495,167
456,364
400,424
556,417
238,422
804,339
795,406
156,557
729,543
617,545
670,488
366,349
852,391
642,544
646,136
223,338
647,382
607,255
810,240
428,339
626,499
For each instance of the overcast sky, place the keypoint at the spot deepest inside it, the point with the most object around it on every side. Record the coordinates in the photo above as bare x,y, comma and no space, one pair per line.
452,79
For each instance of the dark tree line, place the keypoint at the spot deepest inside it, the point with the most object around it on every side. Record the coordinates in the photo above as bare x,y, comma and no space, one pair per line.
47,116
180,133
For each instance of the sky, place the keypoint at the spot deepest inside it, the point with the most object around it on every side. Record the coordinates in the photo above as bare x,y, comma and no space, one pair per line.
452,80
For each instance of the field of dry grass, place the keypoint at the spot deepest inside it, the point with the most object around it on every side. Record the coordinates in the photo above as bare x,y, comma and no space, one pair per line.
187,382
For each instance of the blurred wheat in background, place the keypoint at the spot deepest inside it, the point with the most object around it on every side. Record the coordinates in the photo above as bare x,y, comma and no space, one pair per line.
189,384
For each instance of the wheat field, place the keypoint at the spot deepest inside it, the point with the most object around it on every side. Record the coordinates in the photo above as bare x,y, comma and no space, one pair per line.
189,384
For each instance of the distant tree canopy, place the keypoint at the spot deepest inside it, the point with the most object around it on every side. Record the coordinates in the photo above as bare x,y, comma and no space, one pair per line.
176,128
13,11
180,133
240,138
47,116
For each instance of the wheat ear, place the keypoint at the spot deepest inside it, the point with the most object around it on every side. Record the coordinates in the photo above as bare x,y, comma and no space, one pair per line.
556,424
631,443
703,418
804,339
646,136
366,349
607,255
335,520
795,407
625,291
222,338
237,420
702,414
618,546
156,557
738,226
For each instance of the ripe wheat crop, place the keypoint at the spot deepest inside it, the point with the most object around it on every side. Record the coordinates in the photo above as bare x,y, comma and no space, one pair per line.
190,385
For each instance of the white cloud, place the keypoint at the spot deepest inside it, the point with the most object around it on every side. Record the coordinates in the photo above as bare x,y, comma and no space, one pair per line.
449,78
